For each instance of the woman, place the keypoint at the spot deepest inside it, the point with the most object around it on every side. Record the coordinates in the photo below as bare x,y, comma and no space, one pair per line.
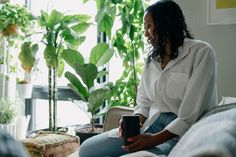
177,86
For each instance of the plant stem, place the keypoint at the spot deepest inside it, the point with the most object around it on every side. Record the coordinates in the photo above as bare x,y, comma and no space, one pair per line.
54,99
93,127
50,97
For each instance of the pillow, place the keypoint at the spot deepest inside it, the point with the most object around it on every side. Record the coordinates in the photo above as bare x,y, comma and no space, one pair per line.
219,108
47,144
227,100
212,136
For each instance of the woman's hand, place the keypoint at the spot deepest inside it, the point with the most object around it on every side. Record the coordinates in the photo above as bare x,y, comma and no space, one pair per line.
148,140
120,121
140,142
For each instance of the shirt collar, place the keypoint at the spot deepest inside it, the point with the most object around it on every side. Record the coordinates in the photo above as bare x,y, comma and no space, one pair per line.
183,51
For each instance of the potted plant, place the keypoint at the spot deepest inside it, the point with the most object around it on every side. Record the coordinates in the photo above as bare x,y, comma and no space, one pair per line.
28,61
83,83
7,116
61,31
14,18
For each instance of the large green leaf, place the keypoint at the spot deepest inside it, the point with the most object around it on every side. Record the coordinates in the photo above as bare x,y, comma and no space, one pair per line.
106,24
54,18
77,86
26,57
99,16
60,68
96,99
68,34
72,57
68,19
81,27
101,54
87,72
74,43
43,18
50,56
100,4
105,57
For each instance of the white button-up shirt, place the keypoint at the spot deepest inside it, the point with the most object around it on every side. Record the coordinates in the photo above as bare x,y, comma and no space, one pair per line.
187,87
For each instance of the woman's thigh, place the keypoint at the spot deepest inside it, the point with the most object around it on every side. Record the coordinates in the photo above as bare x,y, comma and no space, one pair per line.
101,146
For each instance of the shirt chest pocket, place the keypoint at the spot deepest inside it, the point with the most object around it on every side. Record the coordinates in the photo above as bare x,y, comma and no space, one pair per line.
176,85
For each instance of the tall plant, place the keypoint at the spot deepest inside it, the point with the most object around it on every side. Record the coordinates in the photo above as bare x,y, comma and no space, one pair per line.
60,32
128,42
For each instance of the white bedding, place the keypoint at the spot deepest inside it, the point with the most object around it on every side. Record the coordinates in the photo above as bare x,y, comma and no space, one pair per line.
213,136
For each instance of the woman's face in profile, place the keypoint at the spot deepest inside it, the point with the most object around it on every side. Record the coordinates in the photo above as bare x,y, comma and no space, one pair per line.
149,28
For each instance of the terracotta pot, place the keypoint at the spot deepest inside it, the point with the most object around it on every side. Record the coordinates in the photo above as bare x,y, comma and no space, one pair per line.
11,29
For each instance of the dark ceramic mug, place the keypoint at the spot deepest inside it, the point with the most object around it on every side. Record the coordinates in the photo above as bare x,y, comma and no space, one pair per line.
130,127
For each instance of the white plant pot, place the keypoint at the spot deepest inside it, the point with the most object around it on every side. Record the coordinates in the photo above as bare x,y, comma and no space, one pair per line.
24,90
22,125
8,86
9,128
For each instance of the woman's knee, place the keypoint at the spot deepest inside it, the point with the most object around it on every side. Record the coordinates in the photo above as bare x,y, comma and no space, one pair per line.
84,149
92,146
101,145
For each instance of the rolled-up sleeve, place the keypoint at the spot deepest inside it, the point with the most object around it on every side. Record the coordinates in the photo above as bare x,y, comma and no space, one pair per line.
200,93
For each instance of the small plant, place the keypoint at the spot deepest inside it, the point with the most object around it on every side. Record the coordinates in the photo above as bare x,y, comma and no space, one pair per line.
12,18
7,111
83,82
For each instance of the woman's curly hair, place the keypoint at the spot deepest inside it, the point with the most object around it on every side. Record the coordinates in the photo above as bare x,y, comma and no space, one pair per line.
169,23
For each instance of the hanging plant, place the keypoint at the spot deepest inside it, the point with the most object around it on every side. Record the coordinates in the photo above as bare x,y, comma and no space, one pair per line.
14,18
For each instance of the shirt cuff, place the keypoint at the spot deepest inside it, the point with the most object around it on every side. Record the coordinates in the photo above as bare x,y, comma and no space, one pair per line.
178,127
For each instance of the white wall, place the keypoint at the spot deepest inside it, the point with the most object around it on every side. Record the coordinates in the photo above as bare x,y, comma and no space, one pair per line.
221,37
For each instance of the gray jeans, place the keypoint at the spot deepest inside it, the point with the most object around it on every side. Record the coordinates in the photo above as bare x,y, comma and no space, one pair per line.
103,146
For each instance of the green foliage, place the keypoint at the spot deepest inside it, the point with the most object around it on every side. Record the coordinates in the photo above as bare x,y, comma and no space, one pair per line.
7,111
86,74
12,14
128,42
